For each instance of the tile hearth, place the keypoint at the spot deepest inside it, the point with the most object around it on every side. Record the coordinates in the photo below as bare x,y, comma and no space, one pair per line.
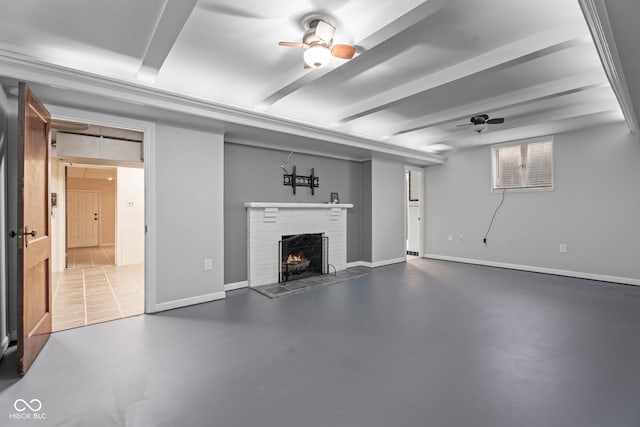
278,290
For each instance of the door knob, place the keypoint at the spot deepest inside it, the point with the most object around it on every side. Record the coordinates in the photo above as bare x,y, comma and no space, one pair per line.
32,233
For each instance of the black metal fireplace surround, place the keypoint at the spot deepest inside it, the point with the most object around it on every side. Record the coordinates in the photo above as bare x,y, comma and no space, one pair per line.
303,255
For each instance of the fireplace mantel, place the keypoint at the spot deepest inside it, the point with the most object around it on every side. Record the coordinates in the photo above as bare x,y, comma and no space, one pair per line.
297,205
267,222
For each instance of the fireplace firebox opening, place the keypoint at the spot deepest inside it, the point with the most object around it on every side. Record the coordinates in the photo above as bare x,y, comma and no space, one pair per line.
303,255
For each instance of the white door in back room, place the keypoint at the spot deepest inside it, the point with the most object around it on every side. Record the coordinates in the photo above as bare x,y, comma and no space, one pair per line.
414,220
83,218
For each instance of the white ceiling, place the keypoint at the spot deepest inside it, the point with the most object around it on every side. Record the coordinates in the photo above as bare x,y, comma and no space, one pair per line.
423,67
91,173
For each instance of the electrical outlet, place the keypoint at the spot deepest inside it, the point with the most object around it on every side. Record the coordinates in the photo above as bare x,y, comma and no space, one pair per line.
562,248
208,264
451,237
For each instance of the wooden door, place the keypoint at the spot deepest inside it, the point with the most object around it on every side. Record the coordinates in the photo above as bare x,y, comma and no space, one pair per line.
83,219
34,243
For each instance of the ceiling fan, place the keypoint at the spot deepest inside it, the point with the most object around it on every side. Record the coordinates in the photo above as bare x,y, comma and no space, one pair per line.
481,122
318,42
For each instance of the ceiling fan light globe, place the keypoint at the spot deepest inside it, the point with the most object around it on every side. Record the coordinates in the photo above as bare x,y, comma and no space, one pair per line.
317,56
479,128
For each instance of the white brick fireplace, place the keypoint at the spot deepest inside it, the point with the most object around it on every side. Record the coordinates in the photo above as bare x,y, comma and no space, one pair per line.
268,222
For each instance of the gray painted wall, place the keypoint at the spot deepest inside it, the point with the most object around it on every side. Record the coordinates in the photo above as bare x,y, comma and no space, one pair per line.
594,208
253,174
388,210
4,136
365,201
189,213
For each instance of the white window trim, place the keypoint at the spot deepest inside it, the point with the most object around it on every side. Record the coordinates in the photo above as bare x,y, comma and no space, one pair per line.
522,142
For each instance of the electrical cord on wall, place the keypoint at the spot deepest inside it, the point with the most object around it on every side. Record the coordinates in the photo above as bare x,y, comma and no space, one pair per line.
286,162
484,239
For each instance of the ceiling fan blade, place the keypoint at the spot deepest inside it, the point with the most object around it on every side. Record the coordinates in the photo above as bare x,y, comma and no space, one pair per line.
495,121
325,31
292,44
343,51
464,125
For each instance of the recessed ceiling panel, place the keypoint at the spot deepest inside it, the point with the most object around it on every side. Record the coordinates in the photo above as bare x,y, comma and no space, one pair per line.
103,37
494,83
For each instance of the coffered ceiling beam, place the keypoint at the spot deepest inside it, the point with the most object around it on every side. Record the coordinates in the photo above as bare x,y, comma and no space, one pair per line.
547,91
27,69
513,54
172,20
299,78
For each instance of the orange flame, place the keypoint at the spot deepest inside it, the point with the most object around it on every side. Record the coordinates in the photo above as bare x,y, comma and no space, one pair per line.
295,257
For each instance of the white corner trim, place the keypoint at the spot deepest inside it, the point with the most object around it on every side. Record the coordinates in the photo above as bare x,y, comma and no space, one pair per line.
376,264
237,285
597,18
534,269
184,302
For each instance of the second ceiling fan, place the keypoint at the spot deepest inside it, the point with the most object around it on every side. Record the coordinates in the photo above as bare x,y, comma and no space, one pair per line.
318,42
481,122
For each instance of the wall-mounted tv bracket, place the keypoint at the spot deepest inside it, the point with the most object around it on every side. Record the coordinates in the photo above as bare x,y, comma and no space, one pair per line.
294,181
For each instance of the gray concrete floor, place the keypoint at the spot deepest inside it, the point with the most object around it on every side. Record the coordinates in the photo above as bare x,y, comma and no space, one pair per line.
426,343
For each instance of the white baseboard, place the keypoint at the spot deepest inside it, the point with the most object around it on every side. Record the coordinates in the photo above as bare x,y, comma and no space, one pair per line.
534,269
238,285
375,264
359,264
388,262
184,302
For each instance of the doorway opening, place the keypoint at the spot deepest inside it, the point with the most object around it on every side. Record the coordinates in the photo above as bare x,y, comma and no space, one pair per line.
414,228
98,225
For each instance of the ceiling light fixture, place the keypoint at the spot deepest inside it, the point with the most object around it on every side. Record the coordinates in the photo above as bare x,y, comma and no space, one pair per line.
480,127
318,55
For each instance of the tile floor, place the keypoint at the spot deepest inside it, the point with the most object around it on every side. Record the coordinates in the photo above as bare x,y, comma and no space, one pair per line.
92,289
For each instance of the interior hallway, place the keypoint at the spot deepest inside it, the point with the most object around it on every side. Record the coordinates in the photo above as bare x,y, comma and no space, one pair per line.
92,289
425,343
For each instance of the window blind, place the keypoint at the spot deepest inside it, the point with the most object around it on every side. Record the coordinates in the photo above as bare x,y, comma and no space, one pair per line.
523,166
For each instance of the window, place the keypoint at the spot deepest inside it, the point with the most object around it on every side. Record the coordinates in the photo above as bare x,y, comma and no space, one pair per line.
528,165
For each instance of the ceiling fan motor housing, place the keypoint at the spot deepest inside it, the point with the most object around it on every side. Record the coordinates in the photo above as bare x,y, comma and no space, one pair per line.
479,119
